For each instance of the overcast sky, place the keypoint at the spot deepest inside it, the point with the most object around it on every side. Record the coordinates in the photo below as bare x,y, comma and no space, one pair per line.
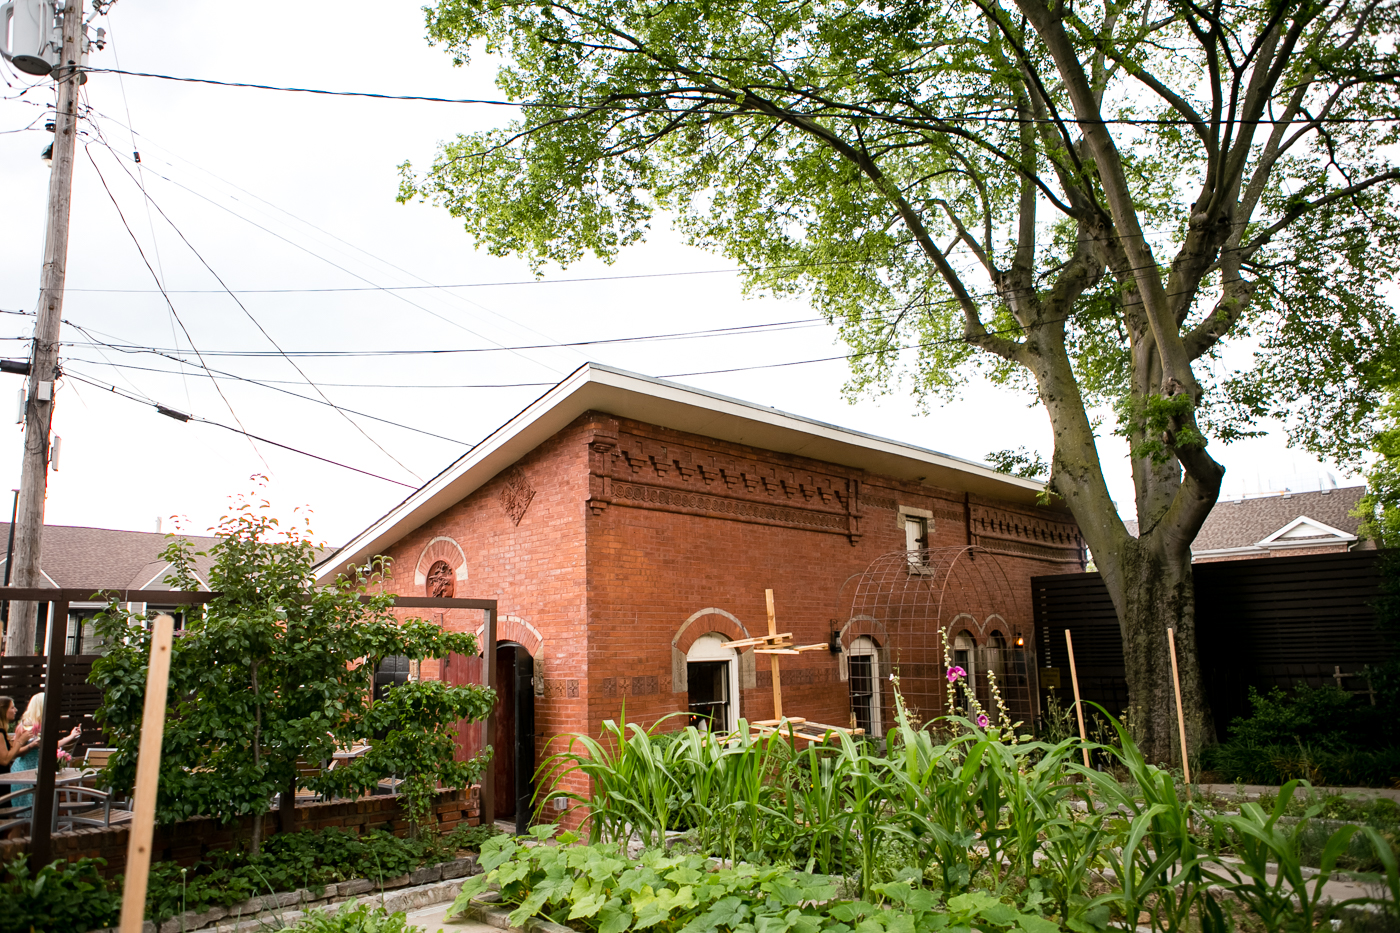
289,199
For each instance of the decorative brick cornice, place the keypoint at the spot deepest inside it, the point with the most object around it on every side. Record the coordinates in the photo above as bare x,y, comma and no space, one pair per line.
693,503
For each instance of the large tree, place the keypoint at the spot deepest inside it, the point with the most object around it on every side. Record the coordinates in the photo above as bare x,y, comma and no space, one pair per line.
1086,200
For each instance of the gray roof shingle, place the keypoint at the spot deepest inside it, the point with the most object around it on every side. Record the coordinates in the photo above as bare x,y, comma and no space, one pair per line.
75,556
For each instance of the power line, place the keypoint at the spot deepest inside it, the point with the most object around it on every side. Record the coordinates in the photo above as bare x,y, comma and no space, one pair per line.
181,416
736,331
258,324
170,304
588,106
304,248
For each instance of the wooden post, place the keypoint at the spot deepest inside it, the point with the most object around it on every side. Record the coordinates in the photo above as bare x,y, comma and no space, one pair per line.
143,808
42,815
1078,706
773,659
1180,716
38,408
488,779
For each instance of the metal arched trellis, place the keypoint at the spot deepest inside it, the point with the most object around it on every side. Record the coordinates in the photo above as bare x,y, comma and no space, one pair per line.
927,609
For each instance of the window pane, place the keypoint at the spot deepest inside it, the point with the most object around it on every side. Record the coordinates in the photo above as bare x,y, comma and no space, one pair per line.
862,689
709,694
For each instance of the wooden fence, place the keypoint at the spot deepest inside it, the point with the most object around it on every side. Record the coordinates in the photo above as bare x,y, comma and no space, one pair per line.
22,677
1279,621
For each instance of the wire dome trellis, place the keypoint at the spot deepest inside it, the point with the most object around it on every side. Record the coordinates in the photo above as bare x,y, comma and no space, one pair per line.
926,608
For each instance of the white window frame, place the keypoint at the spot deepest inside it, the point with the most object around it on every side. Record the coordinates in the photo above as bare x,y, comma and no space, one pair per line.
861,647
910,518
710,647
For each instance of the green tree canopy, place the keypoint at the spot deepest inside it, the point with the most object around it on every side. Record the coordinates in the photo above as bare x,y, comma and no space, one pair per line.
1085,200
273,671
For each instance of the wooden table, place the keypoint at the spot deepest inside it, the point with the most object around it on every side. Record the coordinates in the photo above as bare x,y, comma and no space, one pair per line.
64,777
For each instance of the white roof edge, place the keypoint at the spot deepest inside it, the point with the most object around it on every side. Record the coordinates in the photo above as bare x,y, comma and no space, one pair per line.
1275,539
605,388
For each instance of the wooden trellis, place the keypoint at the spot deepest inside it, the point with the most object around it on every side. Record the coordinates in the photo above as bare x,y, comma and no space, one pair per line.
776,644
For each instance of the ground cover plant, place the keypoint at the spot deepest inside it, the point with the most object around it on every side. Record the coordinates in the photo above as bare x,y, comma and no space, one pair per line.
940,815
62,897
290,861
75,898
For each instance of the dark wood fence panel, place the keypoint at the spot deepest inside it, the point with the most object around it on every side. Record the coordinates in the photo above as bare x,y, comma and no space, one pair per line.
22,677
1267,622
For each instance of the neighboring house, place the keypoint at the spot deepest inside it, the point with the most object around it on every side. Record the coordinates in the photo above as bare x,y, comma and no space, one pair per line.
1280,525
103,558
629,526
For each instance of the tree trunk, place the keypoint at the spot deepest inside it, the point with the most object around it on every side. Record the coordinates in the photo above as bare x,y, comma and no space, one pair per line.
1153,591
287,807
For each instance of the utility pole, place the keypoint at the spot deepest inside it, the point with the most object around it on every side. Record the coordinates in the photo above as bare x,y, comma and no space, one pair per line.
38,409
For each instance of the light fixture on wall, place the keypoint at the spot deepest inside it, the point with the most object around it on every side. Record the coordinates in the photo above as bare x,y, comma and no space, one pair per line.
834,646
1020,641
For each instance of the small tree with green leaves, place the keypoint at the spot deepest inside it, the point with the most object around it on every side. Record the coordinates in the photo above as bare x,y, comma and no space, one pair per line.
273,672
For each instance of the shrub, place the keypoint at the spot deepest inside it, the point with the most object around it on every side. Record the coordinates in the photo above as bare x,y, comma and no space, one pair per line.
273,671
63,897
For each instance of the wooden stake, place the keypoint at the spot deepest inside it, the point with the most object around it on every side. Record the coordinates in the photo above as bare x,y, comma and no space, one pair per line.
777,678
1078,706
1180,716
143,808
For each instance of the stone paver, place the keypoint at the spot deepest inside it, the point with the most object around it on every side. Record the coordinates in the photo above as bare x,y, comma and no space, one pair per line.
431,920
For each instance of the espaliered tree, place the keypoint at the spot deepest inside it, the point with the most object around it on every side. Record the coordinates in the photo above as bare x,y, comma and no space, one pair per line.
273,672
1085,200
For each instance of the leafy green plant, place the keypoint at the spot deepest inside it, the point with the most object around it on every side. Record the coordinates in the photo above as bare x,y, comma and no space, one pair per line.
62,897
596,888
948,809
286,862
274,671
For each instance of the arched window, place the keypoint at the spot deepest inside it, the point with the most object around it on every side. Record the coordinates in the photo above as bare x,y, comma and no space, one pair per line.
863,662
712,679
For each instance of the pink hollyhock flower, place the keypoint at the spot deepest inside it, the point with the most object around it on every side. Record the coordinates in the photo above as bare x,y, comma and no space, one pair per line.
955,674
983,721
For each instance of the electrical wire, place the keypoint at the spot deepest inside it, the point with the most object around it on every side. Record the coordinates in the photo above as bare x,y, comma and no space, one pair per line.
170,304
181,416
304,248
738,330
372,256
596,107
270,339
213,373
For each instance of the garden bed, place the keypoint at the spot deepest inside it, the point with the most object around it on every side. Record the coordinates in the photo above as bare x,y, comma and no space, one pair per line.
425,886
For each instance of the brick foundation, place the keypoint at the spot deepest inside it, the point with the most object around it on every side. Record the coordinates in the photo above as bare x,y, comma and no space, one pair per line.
189,841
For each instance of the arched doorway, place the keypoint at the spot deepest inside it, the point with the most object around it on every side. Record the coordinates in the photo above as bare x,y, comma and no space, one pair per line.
514,742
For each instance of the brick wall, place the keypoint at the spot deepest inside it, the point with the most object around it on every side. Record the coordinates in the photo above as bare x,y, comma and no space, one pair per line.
189,841
638,539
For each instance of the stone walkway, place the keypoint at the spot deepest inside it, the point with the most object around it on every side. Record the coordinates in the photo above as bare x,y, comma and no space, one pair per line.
430,920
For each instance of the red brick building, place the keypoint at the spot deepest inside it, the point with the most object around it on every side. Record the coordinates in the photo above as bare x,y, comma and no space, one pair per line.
628,526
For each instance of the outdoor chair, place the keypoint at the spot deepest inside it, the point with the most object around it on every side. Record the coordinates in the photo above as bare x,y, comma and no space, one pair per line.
77,806
96,759
12,816
306,769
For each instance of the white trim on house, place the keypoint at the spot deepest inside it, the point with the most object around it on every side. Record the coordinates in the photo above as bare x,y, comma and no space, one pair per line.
683,408
1281,541
1326,534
